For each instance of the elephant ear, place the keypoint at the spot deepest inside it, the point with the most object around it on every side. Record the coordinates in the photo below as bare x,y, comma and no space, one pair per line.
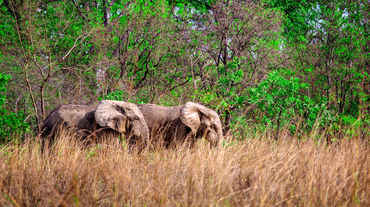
112,114
190,116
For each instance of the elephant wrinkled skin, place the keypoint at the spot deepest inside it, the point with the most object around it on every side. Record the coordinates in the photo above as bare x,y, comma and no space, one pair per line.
182,124
92,120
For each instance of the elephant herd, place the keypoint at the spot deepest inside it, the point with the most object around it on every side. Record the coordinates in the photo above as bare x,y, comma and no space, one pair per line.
142,125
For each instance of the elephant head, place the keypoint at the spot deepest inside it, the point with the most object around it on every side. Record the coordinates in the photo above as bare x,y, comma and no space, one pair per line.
203,122
123,117
95,120
191,121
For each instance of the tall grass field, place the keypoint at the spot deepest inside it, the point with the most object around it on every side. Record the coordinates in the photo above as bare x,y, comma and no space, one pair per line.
252,172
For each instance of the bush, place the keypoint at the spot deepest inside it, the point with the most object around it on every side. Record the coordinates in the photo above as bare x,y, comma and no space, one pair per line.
283,103
13,124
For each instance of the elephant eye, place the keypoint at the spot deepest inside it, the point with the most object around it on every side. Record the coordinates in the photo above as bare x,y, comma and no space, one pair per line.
134,118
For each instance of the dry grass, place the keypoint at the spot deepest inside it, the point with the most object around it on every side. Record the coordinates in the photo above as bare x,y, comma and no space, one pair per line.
256,172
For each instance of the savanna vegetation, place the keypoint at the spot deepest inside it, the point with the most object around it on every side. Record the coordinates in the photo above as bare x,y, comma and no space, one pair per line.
289,80
252,172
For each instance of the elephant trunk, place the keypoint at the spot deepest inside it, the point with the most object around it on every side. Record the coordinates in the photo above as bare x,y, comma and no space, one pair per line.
217,141
214,139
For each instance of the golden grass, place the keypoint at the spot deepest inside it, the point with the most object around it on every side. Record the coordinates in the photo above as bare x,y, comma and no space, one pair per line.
255,172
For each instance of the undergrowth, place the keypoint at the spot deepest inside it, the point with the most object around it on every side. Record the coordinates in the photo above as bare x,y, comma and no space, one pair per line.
255,172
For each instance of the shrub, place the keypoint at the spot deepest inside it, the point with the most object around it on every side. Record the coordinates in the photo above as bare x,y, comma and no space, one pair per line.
282,102
12,123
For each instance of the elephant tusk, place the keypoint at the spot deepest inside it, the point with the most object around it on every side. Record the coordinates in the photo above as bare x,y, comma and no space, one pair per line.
205,134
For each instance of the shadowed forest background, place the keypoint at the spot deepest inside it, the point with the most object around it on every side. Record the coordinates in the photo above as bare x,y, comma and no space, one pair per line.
280,66
289,80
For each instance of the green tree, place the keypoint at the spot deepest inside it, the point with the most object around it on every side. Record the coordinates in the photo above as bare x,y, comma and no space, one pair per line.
281,101
328,45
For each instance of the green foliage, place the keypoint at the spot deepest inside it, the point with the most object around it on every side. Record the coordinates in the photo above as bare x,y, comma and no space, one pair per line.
330,40
114,95
218,52
276,94
298,15
12,123
225,93
3,81
280,98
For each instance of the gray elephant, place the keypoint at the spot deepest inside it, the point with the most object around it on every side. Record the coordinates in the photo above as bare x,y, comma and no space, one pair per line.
182,124
98,120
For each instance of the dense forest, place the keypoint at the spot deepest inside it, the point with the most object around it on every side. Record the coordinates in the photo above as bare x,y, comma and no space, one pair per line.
294,66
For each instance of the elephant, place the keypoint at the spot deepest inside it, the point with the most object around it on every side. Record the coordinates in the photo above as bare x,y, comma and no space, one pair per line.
107,117
187,123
